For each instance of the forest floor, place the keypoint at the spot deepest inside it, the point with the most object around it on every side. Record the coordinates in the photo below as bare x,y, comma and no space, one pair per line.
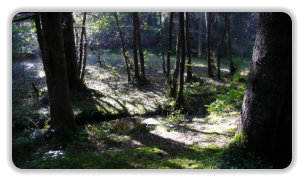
130,126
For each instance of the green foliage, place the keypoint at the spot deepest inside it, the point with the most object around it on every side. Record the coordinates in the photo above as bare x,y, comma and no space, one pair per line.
237,61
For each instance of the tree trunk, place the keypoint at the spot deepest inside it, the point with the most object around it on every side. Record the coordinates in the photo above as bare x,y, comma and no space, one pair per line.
81,43
188,63
54,59
169,46
219,51
208,35
141,54
134,45
173,89
70,52
161,43
180,98
84,55
124,51
200,29
232,68
266,118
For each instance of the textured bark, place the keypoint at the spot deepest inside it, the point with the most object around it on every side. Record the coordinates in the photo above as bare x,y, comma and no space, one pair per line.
219,77
188,49
161,44
200,29
208,34
84,55
140,50
62,119
169,46
266,117
231,65
180,98
124,51
70,52
81,43
134,45
173,89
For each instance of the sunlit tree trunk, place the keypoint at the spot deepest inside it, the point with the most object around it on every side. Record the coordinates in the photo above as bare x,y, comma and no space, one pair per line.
208,36
70,52
81,43
161,43
200,29
62,119
188,63
219,77
124,51
266,117
140,50
180,98
231,65
169,46
84,54
134,45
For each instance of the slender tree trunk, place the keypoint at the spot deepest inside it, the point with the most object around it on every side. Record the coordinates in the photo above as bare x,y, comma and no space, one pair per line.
188,63
161,44
170,46
84,55
208,35
200,29
173,89
219,51
81,43
266,117
232,68
70,52
134,45
180,98
124,51
62,119
140,50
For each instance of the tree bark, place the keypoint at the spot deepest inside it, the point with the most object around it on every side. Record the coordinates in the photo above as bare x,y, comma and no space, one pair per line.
200,29
81,43
84,54
134,45
266,118
173,89
62,119
169,46
70,52
180,98
161,44
231,65
188,49
124,51
208,35
140,50
219,77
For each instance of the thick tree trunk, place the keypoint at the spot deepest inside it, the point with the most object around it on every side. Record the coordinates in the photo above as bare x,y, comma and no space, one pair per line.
161,44
134,45
188,48
81,43
124,51
266,117
200,29
169,46
180,98
219,77
140,50
208,35
70,52
173,89
231,65
62,119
